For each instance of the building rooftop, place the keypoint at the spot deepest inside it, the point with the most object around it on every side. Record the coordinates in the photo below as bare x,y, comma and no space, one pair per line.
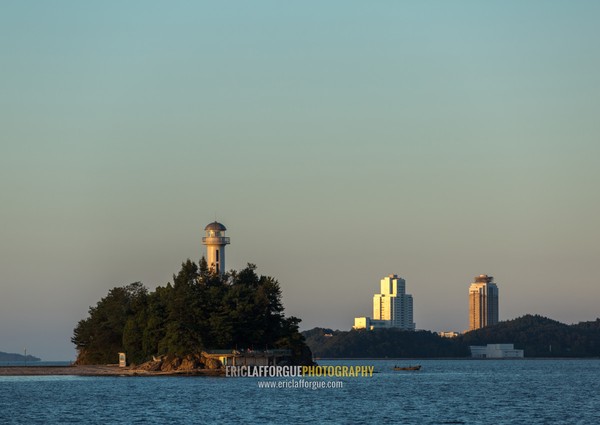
484,278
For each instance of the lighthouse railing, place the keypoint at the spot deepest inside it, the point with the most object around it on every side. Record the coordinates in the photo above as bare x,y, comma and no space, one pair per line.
217,240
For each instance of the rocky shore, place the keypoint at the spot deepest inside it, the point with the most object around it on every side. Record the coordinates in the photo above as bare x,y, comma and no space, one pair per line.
190,364
96,370
200,364
159,367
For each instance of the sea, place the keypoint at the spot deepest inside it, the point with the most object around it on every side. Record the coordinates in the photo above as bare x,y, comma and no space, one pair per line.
527,391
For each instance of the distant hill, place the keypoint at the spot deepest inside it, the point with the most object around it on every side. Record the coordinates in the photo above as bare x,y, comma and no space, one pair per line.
14,357
538,336
381,343
541,337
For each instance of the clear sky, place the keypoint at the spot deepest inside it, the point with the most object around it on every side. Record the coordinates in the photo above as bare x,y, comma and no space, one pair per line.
338,141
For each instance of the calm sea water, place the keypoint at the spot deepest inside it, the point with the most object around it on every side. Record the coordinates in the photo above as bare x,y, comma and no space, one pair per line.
443,392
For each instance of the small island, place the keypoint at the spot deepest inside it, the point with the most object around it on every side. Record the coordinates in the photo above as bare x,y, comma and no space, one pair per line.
14,357
196,323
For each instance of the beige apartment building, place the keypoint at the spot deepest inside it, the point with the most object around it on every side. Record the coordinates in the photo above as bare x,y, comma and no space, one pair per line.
483,302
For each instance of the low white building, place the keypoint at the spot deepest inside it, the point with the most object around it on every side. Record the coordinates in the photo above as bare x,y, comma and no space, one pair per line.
495,351
448,334
370,324
362,323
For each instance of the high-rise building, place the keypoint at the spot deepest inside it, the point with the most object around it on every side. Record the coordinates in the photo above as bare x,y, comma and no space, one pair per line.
393,303
483,302
392,308
215,241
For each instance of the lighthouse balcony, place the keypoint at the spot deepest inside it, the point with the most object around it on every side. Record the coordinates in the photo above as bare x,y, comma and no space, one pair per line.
215,240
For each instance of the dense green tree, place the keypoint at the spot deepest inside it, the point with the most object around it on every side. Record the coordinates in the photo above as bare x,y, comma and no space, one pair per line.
99,337
133,332
156,321
199,310
183,333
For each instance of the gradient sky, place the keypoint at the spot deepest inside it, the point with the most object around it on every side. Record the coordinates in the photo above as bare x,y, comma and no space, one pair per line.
338,141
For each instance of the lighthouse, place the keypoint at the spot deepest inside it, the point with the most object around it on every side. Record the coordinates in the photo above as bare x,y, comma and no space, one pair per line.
215,241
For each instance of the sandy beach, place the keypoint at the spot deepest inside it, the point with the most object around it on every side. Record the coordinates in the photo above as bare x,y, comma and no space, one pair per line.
96,370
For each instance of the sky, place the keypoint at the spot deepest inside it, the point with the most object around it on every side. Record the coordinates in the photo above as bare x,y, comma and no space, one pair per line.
338,141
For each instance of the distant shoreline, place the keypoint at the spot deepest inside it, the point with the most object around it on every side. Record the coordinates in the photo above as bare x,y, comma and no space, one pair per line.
115,370
454,358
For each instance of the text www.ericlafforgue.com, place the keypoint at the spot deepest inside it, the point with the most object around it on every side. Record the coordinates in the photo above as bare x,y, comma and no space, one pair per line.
301,383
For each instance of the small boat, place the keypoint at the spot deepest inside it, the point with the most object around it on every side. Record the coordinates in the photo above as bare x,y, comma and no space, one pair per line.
418,367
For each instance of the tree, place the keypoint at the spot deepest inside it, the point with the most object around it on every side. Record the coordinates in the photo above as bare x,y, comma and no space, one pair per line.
100,337
200,310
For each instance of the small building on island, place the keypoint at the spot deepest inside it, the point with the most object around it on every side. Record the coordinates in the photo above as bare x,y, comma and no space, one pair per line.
448,334
248,357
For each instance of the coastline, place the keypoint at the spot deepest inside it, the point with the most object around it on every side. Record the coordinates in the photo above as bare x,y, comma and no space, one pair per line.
98,370
115,370
453,358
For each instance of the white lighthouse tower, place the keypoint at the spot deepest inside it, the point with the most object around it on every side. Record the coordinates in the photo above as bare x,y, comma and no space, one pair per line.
215,241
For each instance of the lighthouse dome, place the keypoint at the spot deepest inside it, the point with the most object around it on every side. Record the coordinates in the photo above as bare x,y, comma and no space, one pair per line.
215,226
